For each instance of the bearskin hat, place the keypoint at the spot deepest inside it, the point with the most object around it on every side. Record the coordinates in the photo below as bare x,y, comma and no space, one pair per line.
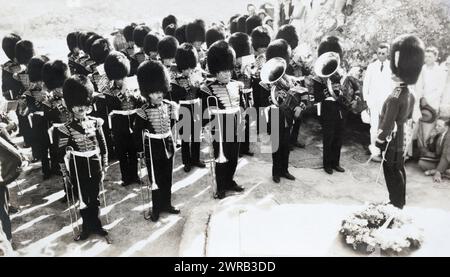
128,32
89,43
139,34
54,74
195,31
240,43
180,33
72,40
260,38
289,34
330,44
152,77
24,51
100,50
212,35
241,23
90,36
407,58
167,47
9,45
279,48
234,24
81,39
77,91
251,23
186,56
220,57
170,30
117,66
35,66
168,20
151,43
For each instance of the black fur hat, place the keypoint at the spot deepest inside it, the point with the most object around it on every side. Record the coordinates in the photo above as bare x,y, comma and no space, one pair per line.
100,50
241,23
240,43
407,58
9,45
251,23
195,31
260,38
35,66
152,77
279,48
24,51
186,56
139,34
330,44
170,19
117,66
167,47
170,30
54,74
180,33
90,36
289,34
212,35
77,91
128,32
89,43
81,39
234,23
72,40
151,43
220,57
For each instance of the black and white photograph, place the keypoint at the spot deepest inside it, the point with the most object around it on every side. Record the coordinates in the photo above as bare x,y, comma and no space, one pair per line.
225,129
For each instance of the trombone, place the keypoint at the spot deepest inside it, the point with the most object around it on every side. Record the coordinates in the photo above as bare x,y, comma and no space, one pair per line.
211,161
72,206
221,158
146,197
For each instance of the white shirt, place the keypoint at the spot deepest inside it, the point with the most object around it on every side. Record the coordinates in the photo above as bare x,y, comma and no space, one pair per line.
431,85
444,108
377,84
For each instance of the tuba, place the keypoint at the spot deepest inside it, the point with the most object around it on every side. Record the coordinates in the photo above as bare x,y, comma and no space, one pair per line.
327,64
285,92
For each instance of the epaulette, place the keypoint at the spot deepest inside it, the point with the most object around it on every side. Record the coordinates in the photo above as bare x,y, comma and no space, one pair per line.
141,112
205,87
64,129
397,92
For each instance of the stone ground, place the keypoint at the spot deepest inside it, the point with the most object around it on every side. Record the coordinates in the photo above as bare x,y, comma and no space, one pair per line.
315,201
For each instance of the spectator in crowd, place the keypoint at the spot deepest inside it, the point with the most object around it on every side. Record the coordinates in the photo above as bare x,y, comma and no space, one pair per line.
429,89
444,109
376,88
431,152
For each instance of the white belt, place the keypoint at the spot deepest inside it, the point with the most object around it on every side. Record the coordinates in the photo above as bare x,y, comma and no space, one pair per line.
247,90
86,154
119,112
158,136
190,102
225,111
52,129
330,99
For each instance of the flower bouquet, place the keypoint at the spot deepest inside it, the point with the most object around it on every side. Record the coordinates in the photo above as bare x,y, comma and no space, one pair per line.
381,226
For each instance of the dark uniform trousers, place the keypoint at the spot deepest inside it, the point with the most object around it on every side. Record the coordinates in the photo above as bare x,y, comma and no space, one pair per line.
394,174
162,167
5,221
295,131
333,121
190,150
280,150
127,155
41,142
89,177
225,171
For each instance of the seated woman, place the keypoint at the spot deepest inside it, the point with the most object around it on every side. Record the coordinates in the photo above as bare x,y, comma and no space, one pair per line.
431,150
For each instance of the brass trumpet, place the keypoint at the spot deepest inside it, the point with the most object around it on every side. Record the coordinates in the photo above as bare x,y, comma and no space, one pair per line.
221,158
